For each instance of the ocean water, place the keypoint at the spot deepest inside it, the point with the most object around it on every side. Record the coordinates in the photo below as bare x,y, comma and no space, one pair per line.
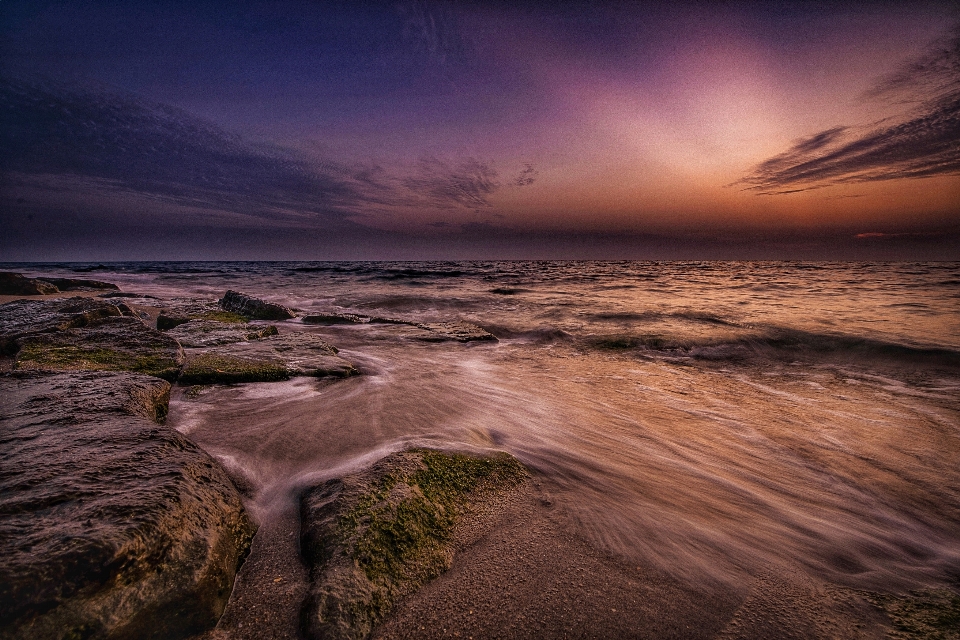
711,419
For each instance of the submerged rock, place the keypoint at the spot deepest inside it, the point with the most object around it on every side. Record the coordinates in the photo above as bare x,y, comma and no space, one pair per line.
111,525
14,284
275,357
335,318
209,333
106,344
254,307
429,331
373,537
459,331
22,318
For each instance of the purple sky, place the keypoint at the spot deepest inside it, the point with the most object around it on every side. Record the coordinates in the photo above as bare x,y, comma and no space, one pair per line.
317,130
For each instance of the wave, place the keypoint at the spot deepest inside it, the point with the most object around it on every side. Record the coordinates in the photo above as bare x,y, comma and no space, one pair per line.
777,343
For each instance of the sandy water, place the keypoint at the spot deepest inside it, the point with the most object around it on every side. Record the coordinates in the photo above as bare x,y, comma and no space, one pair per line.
714,420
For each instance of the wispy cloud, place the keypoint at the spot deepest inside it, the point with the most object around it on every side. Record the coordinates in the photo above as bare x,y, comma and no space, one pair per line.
155,150
527,176
468,183
63,139
924,141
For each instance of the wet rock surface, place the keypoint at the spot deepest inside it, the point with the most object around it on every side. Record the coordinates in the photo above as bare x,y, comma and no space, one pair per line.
210,333
111,525
251,307
459,331
22,318
105,344
428,331
371,538
275,357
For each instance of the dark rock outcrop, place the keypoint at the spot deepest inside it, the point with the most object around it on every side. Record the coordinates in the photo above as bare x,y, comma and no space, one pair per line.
76,284
253,307
30,317
18,285
373,537
14,284
209,333
106,344
111,526
166,321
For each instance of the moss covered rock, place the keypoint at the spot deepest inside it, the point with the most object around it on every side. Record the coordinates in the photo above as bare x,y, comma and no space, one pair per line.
373,537
107,344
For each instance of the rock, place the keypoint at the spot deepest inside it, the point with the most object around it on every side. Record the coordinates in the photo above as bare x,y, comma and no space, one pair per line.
373,537
335,318
111,525
207,367
434,331
166,322
208,333
299,354
273,358
14,284
126,294
107,344
254,307
74,284
459,331
28,317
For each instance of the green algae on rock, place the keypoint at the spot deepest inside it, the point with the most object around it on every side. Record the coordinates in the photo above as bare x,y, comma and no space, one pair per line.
214,368
108,344
373,537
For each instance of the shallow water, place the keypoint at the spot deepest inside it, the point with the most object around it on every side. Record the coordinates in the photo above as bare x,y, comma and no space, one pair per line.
712,419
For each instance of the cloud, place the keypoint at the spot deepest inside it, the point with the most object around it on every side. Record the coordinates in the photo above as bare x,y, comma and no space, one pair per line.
468,183
527,176
924,141
67,134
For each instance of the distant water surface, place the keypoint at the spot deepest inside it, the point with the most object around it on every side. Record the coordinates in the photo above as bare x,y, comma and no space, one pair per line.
713,419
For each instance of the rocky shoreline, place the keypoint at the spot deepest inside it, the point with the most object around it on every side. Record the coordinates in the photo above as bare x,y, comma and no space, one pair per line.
113,525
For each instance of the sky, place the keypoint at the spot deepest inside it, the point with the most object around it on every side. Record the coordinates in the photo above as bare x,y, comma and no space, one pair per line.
313,130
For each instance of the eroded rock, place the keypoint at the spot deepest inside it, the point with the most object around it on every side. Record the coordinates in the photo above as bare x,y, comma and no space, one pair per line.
22,318
275,357
373,537
107,344
111,525
254,307
15,284
209,333
459,331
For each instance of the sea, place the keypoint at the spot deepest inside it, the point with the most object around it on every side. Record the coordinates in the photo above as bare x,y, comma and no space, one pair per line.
713,420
